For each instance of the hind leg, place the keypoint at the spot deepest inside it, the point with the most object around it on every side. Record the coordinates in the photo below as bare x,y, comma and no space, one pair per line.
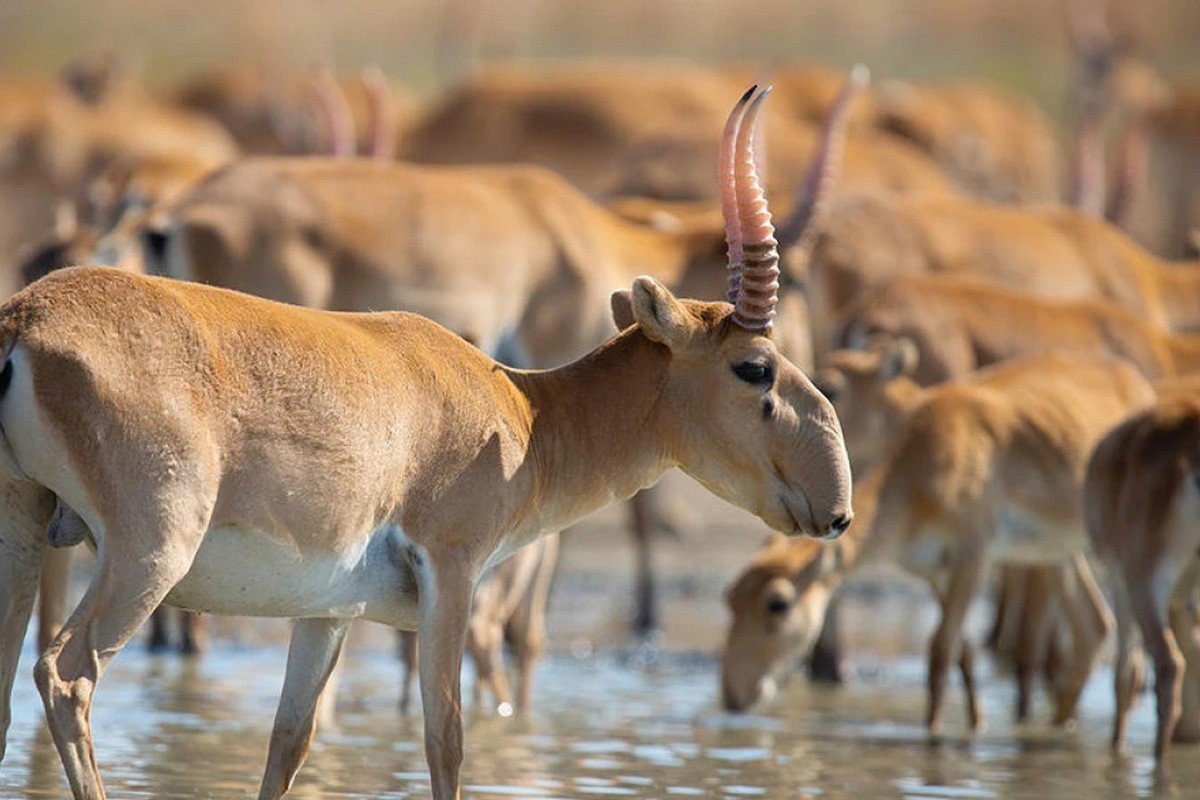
528,624
947,645
1033,634
193,633
140,562
25,510
407,645
312,654
1128,668
52,604
1183,625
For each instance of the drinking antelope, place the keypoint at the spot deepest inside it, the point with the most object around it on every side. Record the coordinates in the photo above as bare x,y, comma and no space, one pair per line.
240,456
984,470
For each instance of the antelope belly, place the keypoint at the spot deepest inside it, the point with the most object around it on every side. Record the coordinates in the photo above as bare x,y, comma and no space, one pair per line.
249,573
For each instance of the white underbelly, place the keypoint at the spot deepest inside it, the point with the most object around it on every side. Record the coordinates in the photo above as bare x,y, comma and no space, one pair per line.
249,573
1025,538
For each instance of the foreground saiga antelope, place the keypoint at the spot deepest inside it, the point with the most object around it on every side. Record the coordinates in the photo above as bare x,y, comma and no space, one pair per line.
982,471
266,459
1142,501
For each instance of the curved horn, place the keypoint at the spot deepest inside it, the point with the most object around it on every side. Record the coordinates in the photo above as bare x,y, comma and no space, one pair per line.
826,164
754,307
338,117
729,203
384,121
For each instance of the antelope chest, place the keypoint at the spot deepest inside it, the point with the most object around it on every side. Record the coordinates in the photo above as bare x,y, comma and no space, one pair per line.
243,572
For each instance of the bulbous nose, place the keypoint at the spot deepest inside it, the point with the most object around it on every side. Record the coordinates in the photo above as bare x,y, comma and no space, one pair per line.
838,526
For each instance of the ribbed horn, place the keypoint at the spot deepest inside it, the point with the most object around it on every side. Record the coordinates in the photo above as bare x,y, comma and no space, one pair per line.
813,197
729,203
339,120
754,308
384,120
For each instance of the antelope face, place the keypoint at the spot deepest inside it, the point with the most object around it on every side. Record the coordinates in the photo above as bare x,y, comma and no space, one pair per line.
745,421
778,607
857,383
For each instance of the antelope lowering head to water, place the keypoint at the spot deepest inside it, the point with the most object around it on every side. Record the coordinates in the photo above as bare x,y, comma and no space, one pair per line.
235,455
984,470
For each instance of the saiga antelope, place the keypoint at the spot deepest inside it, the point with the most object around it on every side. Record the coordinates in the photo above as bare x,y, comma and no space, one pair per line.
1053,252
240,456
984,470
959,325
512,257
1142,502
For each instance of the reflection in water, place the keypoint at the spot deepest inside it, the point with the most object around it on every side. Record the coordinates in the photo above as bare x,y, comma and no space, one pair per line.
171,729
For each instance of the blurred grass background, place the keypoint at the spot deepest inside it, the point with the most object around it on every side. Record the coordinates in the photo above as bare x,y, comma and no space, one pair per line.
426,43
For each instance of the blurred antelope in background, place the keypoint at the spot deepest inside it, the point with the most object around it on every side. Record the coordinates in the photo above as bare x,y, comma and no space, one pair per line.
980,471
1143,502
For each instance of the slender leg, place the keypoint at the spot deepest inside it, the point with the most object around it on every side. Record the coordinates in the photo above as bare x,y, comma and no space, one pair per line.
1033,634
825,663
315,647
25,511
1089,619
52,607
1128,669
529,622
966,668
407,645
193,633
946,647
139,566
326,713
1183,625
160,637
645,613
485,640
1150,613
1009,593
445,604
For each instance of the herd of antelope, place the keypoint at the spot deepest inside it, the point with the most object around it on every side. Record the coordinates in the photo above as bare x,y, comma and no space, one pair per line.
299,346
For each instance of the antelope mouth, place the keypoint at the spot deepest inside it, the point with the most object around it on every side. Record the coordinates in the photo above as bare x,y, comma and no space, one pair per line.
801,521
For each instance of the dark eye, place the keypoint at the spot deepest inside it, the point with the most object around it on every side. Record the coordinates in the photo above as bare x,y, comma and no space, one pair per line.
755,372
777,606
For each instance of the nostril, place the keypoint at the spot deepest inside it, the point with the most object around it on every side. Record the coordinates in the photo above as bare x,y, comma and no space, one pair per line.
839,525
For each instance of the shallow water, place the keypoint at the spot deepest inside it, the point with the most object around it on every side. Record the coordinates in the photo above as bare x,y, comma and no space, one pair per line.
603,726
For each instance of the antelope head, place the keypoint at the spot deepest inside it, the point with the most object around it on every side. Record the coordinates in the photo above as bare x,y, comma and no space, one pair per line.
745,421
778,606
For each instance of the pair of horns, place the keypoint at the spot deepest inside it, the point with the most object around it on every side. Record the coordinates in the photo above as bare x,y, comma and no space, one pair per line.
339,119
749,235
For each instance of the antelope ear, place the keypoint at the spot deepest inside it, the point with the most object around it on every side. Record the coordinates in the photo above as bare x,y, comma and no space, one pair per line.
899,359
622,309
661,317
